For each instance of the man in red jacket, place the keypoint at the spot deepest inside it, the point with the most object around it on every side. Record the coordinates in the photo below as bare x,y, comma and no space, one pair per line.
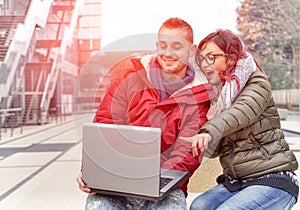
159,90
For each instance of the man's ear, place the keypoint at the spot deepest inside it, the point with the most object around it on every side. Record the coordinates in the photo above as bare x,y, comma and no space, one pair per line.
193,50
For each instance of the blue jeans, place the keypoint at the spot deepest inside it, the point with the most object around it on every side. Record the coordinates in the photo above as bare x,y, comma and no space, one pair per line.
174,200
253,197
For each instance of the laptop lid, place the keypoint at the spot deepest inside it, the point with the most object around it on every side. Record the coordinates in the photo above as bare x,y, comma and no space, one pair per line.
125,160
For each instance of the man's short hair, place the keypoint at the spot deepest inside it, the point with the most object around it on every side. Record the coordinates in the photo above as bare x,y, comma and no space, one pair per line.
177,23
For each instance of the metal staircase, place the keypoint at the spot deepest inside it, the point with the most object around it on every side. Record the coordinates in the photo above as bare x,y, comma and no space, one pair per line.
49,48
30,65
35,79
8,27
17,26
38,46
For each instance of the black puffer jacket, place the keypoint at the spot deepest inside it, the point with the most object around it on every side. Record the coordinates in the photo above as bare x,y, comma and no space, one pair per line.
247,136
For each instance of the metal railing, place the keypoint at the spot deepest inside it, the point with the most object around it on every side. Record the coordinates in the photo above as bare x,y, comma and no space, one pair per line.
11,118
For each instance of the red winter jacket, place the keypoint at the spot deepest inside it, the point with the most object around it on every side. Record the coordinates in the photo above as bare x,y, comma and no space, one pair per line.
133,100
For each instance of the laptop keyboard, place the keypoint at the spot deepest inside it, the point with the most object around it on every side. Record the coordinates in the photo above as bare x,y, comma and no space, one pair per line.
164,181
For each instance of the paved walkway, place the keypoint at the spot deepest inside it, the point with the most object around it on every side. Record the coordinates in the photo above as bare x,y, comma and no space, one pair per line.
38,168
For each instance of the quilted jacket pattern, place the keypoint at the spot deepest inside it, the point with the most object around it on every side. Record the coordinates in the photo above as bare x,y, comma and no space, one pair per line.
247,136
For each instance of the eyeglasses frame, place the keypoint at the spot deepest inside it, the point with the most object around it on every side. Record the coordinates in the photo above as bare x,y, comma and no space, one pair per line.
200,61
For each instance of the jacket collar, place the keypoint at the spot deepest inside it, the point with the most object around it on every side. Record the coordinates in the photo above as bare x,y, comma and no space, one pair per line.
199,77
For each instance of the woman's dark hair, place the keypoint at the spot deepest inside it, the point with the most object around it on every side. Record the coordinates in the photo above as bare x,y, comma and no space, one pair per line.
228,42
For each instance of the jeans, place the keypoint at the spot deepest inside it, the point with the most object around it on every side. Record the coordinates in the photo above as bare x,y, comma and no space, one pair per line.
256,197
173,201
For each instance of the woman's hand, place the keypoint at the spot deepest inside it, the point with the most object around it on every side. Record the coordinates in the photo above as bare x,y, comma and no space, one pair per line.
214,110
200,142
82,186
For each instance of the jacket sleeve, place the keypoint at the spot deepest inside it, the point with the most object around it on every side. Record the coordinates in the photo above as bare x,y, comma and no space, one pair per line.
113,106
180,156
246,109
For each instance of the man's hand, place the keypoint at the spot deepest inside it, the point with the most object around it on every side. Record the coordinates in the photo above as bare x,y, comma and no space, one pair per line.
200,142
82,186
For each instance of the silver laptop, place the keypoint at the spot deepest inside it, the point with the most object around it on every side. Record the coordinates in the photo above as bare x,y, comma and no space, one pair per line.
124,160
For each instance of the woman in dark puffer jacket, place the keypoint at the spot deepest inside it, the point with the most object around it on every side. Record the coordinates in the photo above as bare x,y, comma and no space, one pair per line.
244,131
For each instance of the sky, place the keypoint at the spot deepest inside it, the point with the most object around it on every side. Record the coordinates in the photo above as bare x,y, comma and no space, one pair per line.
135,23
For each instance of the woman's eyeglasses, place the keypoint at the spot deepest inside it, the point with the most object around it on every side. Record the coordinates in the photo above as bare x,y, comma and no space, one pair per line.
209,58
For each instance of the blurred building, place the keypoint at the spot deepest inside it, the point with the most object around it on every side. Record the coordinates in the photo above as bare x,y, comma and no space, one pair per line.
43,46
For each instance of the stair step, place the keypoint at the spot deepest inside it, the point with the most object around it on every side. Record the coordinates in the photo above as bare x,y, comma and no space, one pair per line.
3,51
47,43
38,66
4,47
12,17
57,8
